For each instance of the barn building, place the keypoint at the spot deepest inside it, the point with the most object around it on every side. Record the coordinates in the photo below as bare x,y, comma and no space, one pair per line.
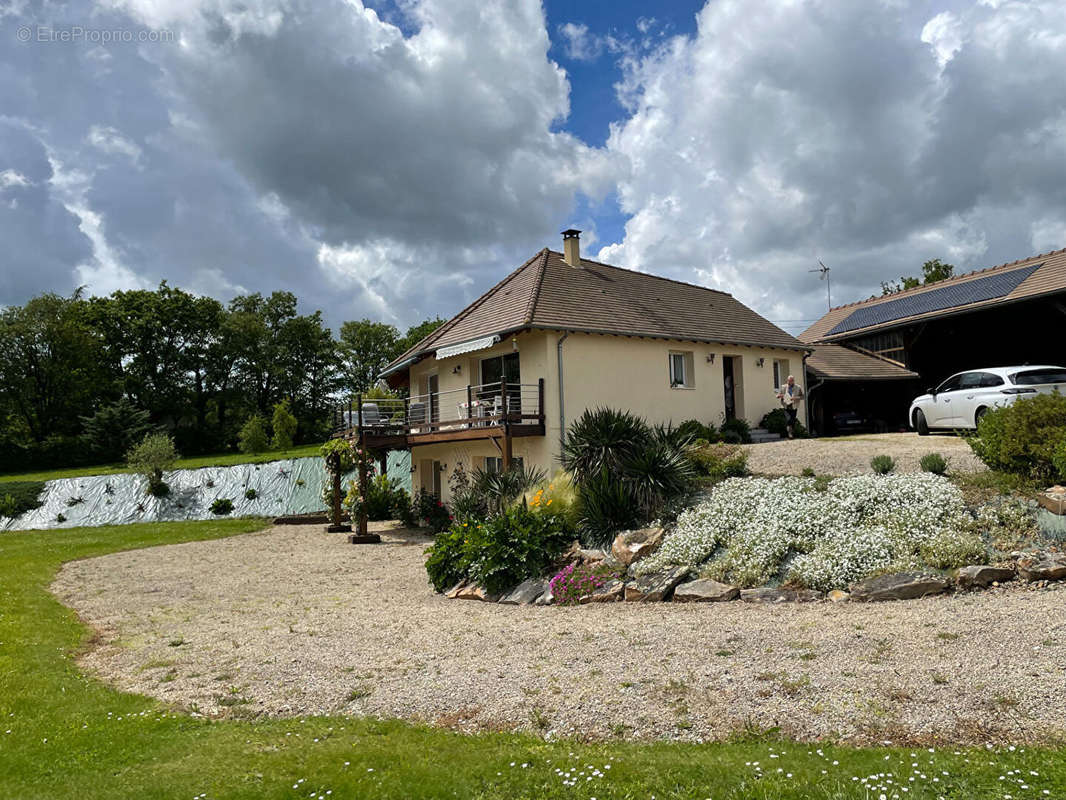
870,359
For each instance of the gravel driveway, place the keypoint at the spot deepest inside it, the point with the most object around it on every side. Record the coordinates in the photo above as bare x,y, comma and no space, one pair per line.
294,621
850,455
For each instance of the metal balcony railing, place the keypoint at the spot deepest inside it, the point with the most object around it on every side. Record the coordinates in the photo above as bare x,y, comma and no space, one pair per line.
485,405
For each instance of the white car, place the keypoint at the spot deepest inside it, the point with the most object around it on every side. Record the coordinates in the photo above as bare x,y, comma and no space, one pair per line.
961,400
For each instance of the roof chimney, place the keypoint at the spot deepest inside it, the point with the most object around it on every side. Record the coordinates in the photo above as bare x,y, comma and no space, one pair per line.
572,247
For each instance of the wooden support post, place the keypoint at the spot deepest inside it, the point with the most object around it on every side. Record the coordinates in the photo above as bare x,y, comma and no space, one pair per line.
503,400
469,406
540,399
506,447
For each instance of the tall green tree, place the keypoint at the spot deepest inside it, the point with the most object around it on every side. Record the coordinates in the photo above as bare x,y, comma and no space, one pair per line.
52,368
366,348
933,271
417,333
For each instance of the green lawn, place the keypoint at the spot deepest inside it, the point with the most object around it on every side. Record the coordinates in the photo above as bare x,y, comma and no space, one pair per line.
219,460
64,735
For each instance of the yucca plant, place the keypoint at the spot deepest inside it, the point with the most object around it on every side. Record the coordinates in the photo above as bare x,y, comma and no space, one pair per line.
606,506
602,439
502,489
657,473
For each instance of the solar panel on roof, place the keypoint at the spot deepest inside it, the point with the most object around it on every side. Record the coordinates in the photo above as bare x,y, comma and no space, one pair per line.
957,294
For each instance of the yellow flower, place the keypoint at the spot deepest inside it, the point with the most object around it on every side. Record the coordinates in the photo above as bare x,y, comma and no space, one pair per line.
548,503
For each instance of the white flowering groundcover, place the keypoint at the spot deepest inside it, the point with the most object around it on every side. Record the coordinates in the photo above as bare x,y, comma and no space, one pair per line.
754,531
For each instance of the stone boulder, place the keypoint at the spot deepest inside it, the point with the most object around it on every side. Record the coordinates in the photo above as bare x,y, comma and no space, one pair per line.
474,592
629,547
767,594
1045,567
898,586
453,593
705,591
610,592
837,596
528,591
981,575
656,586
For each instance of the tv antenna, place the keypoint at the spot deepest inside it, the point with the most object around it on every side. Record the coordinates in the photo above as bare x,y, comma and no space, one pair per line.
823,275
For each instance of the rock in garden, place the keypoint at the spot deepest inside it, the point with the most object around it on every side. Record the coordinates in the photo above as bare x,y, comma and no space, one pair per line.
705,591
979,575
837,596
610,592
525,593
453,593
547,598
767,594
656,586
1048,567
473,592
898,586
630,547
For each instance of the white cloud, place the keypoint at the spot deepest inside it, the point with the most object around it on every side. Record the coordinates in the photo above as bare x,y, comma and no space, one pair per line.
784,133
110,140
581,44
10,178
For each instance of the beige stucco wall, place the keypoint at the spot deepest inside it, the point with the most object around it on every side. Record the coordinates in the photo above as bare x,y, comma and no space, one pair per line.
613,371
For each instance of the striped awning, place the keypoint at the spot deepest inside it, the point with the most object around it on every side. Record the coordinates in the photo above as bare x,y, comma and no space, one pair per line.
467,347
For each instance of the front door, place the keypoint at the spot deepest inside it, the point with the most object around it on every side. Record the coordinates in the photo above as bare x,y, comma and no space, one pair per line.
729,381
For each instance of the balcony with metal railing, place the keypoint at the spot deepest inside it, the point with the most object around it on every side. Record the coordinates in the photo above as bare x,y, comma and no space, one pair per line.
482,411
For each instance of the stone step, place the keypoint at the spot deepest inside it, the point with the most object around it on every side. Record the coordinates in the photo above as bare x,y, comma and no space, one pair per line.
760,435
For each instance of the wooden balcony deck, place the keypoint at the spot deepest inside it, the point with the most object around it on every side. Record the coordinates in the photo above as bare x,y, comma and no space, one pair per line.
499,411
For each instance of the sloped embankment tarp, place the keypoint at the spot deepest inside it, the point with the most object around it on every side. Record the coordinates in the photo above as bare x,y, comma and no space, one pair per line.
290,486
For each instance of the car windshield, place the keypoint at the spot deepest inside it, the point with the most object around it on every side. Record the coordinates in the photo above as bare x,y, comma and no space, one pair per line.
1032,377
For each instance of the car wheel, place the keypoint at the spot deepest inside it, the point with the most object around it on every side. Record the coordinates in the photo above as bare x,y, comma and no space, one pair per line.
979,416
920,424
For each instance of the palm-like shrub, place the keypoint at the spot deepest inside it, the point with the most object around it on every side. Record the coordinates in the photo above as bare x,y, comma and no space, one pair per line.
625,472
501,489
602,439
605,506
657,473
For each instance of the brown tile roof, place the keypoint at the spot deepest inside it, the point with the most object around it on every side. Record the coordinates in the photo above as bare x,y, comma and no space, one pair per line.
836,362
1049,278
548,293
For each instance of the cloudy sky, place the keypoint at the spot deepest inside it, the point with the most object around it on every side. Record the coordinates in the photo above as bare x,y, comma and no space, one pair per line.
393,159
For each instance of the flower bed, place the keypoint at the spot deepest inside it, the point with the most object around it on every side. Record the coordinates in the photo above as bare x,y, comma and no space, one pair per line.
753,531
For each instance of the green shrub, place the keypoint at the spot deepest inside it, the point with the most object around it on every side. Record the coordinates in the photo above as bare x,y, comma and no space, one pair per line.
732,437
113,429
808,472
776,421
738,426
950,549
385,499
882,464
933,462
221,505
1026,438
466,501
695,430
720,461
250,494
427,510
501,552
253,436
19,497
155,453
284,424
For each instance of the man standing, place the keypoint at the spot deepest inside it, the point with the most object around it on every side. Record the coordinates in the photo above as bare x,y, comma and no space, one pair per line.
790,395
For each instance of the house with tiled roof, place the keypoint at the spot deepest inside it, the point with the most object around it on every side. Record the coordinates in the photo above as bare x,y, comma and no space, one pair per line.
869,358
503,378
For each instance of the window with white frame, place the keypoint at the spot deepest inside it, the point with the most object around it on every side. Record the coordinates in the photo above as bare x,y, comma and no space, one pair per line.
780,372
682,374
494,464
